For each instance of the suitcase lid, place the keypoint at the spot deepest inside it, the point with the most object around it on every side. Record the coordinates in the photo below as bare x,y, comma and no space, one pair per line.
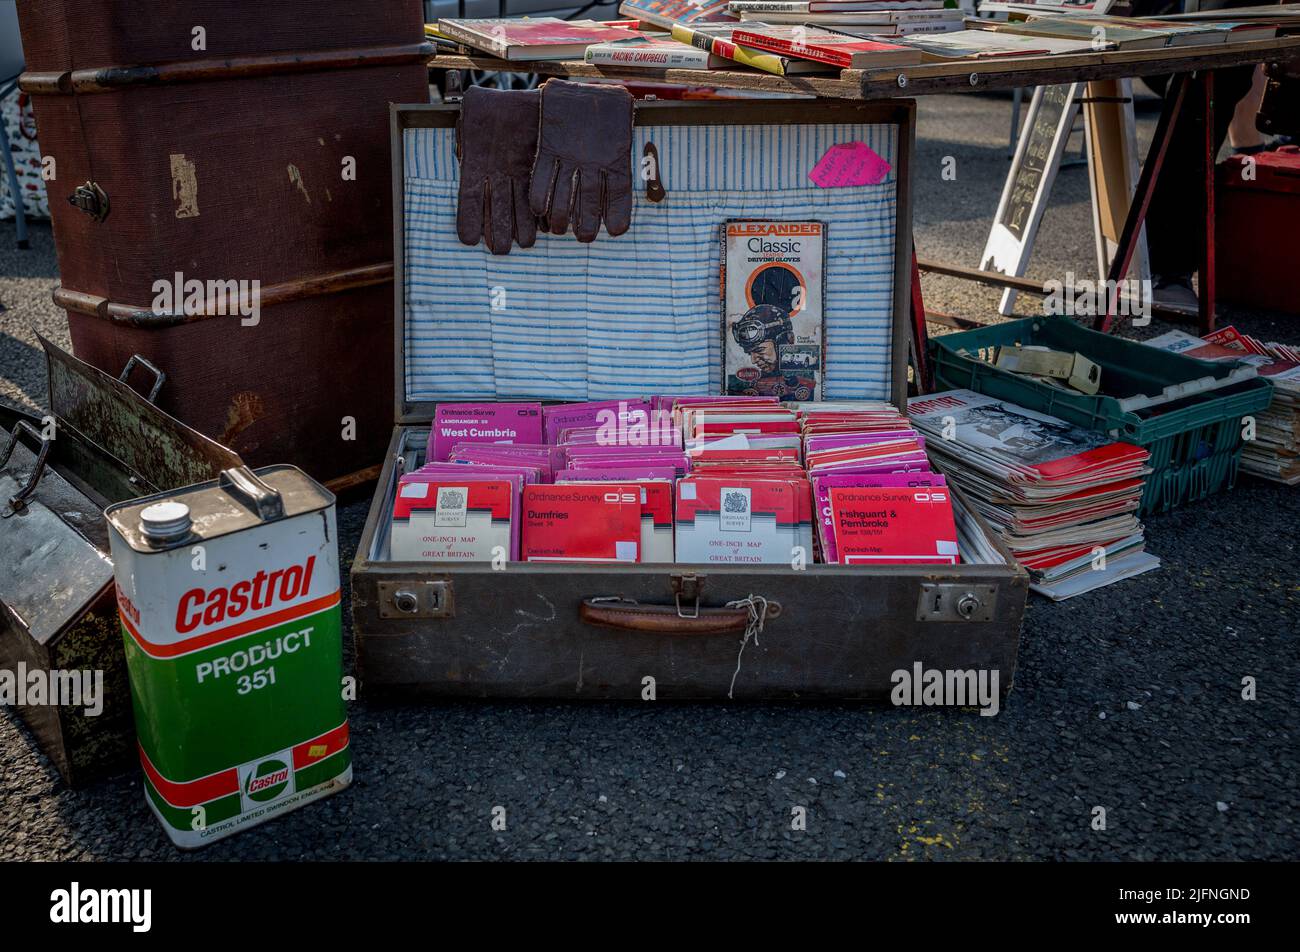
752,128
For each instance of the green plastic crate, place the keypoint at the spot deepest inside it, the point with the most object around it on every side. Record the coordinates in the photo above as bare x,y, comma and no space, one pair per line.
1192,431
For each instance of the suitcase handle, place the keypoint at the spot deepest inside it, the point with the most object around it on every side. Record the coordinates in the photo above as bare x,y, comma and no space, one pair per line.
627,615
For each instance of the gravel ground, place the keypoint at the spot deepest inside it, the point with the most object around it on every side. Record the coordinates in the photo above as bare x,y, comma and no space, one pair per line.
1127,699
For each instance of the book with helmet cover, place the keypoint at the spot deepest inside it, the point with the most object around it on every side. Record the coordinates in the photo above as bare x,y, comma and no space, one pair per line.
773,309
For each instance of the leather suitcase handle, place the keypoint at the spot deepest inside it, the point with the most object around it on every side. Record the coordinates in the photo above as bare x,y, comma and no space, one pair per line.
627,615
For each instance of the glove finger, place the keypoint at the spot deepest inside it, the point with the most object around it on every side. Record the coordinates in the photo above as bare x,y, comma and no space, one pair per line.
562,199
525,222
469,213
587,206
542,185
617,203
501,201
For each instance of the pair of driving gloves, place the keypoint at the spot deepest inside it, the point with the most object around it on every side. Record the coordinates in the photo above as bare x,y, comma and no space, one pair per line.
543,158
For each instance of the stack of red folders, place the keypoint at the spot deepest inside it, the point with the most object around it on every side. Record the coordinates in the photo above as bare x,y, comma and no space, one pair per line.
685,478
747,499
877,501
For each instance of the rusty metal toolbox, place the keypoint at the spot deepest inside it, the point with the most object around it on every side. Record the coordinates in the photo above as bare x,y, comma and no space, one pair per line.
100,443
610,631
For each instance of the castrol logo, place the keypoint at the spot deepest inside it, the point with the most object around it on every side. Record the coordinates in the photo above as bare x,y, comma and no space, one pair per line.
127,607
268,779
215,606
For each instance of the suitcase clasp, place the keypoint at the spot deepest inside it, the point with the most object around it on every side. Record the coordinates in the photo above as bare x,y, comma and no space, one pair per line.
688,588
416,598
956,601
654,184
91,199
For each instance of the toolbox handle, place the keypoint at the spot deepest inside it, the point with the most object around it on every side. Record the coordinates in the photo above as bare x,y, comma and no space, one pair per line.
18,501
159,378
241,483
627,615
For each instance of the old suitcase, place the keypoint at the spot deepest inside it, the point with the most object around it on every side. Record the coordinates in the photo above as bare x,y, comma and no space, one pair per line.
100,443
240,145
660,630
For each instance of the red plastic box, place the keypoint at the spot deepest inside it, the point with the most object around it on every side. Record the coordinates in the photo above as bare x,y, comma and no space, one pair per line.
1256,232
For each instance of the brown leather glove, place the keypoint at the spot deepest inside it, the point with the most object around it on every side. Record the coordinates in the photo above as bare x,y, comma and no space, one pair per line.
583,172
496,140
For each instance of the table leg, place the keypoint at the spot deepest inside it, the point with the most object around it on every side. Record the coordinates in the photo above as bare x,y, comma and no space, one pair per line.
920,336
1205,286
1137,211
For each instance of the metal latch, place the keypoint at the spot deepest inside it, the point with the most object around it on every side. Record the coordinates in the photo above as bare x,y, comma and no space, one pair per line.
956,601
91,199
415,599
687,588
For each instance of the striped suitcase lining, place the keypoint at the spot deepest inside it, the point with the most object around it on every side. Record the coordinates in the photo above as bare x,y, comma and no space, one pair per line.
640,313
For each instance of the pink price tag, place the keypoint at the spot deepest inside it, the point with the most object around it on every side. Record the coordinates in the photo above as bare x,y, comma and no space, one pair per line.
850,163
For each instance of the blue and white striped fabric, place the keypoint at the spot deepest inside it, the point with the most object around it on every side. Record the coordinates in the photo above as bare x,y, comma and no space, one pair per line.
641,313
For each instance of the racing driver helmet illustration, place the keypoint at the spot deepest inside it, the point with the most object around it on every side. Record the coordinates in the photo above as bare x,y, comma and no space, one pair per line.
761,330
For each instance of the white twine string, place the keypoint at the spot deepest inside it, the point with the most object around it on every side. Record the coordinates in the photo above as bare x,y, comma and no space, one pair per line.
757,606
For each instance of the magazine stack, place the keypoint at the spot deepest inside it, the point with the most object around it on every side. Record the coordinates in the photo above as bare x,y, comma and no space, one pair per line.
1063,499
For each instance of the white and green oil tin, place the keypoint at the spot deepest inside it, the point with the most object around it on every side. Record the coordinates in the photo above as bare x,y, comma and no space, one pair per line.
228,595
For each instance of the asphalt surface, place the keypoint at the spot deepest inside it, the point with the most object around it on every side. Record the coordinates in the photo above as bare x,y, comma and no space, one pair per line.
1128,698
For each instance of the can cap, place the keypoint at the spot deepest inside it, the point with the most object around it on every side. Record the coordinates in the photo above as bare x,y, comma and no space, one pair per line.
165,521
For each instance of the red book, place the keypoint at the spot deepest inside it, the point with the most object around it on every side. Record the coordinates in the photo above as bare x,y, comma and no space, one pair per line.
582,522
882,526
825,46
537,38
742,519
454,520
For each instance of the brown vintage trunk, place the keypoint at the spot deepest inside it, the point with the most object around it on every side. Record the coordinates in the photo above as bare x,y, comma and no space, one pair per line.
261,157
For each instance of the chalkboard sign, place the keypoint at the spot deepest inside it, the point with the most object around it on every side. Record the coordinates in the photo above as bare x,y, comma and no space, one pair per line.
1038,156
1032,168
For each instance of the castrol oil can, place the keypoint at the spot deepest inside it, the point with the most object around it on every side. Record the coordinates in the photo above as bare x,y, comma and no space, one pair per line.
228,595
